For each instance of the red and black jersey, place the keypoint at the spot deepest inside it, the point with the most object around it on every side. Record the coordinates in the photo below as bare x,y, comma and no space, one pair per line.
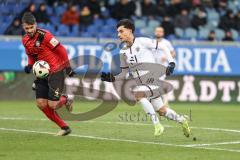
44,46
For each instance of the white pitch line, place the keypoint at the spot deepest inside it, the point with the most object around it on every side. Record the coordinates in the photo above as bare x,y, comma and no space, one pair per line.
118,140
203,128
219,149
124,123
212,144
23,119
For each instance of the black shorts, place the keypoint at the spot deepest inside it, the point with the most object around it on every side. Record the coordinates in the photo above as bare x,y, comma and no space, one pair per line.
50,88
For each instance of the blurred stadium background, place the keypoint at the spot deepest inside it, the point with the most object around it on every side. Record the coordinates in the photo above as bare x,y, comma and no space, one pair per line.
205,35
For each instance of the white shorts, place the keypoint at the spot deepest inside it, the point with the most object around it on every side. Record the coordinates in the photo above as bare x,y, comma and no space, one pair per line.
157,103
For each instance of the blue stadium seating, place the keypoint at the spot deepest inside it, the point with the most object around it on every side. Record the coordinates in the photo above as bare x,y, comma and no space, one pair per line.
9,9
219,34
98,22
153,23
234,34
139,23
190,33
93,29
3,27
50,10
111,22
59,10
63,30
203,33
179,32
147,31
75,31
55,20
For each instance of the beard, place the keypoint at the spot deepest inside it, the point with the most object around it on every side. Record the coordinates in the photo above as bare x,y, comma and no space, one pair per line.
158,37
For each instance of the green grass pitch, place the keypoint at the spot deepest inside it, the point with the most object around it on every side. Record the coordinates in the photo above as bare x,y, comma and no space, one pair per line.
26,134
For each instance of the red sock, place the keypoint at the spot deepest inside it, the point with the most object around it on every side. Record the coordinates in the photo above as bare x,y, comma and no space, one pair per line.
52,115
62,101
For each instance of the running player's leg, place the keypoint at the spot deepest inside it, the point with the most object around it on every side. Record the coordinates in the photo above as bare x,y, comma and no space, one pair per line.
148,108
55,96
165,96
169,113
42,103
56,99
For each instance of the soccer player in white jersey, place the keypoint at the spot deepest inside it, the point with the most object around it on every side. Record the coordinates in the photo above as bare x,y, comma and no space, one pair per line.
160,56
138,51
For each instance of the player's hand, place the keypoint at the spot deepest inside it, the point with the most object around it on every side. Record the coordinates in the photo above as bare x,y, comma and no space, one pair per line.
70,72
109,77
27,69
170,68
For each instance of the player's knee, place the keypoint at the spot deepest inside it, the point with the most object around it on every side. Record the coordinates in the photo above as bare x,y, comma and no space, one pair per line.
41,103
139,96
162,111
52,104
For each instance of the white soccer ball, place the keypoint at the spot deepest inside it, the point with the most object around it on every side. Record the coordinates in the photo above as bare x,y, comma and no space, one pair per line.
41,69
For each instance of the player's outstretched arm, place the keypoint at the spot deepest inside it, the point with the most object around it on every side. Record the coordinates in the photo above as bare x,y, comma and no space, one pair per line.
109,77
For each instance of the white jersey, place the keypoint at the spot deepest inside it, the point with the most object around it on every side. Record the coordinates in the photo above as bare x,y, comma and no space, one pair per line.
160,56
141,51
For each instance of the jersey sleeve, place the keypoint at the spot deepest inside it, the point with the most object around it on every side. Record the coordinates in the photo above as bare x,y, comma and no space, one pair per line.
51,41
57,48
31,60
61,52
167,52
170,46
148,43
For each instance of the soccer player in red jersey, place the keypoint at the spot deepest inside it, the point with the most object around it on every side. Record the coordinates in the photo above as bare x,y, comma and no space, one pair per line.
40,44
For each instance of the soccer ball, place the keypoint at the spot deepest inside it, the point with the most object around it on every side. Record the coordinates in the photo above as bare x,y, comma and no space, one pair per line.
41,69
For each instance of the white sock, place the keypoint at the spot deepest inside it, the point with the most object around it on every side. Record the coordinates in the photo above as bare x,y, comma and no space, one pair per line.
148,108
171,114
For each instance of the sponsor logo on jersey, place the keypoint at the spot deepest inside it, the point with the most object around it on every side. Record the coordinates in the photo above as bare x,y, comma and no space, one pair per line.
54,42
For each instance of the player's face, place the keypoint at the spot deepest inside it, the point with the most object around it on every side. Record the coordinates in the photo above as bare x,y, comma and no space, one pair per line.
30,29
159,32
124,34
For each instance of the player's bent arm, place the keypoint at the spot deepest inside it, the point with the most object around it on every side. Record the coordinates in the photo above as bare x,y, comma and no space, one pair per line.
61,52
173,53
171,65
171,48
167,53
31,61
109,77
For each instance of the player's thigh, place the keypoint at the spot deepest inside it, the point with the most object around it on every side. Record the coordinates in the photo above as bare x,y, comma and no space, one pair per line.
158,104
41,91
41,103
56,86
41,88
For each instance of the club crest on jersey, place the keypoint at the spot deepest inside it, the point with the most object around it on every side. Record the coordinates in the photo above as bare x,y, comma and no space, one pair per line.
37,43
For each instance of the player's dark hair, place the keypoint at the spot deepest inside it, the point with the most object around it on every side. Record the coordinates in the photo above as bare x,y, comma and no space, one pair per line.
126,23
28,18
